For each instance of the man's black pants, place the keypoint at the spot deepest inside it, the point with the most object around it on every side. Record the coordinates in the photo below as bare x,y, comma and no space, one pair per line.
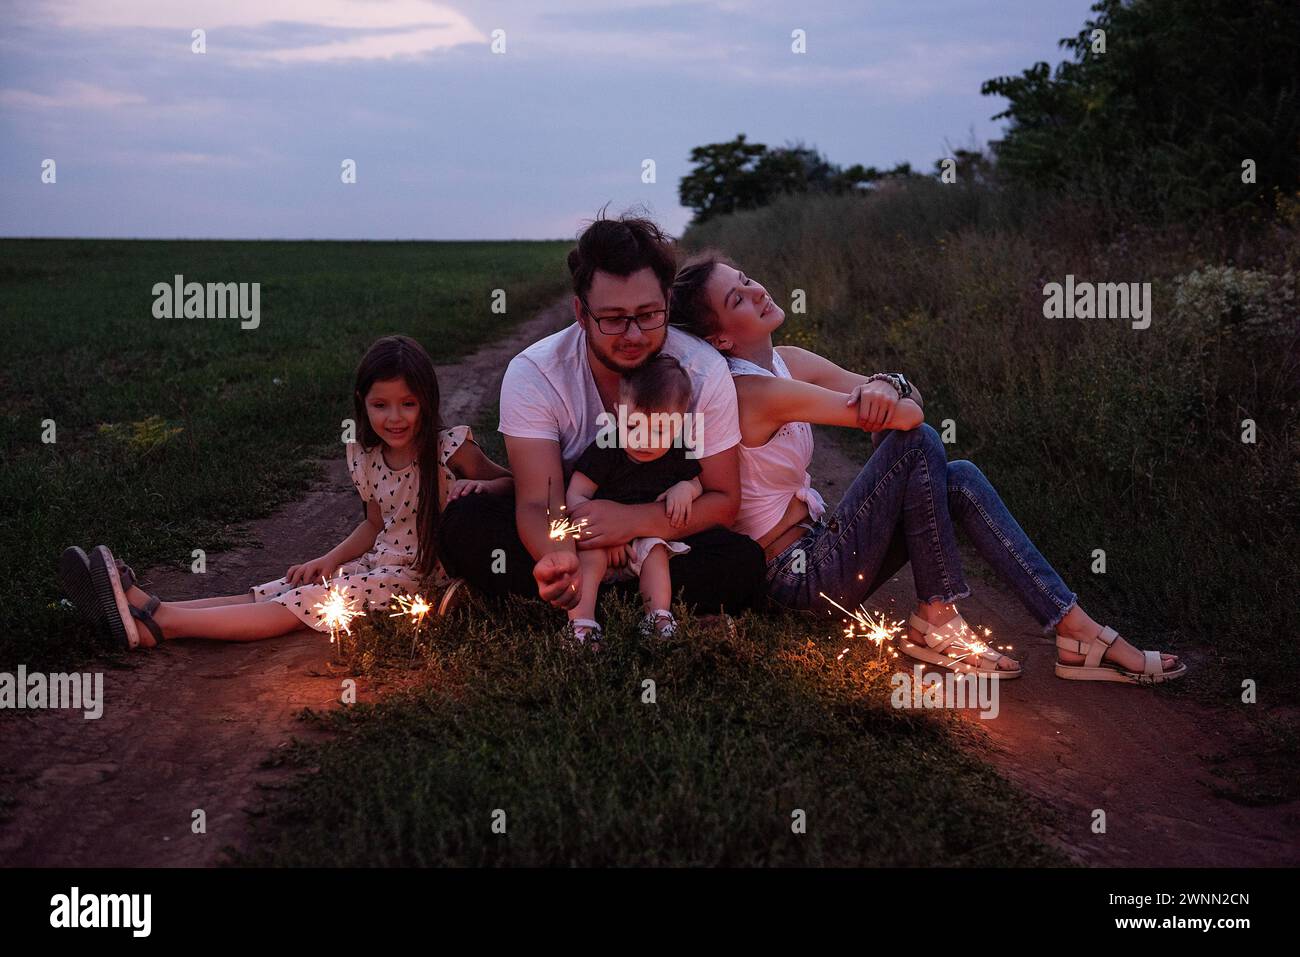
723,571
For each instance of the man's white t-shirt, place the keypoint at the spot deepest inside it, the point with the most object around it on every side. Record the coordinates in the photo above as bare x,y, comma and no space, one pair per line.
549,393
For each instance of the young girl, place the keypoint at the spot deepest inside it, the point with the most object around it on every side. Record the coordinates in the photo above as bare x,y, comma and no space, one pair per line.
657,470
406,468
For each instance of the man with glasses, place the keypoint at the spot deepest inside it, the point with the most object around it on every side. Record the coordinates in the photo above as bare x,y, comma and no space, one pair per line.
551,403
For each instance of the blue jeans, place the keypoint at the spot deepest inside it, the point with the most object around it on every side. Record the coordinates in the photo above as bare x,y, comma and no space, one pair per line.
904,505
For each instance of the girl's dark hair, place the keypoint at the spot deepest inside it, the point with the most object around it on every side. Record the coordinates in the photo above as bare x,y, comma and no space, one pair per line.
658,385
688,300
401,357
621,247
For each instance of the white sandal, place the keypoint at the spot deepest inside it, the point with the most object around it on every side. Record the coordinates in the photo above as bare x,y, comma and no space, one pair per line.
659,623
971,654
586,632
1094,669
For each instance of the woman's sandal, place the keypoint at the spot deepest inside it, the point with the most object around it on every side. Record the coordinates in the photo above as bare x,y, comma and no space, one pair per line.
956,646
1094,669
111,580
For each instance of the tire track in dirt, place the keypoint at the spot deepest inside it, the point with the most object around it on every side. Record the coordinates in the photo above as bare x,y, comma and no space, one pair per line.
198,724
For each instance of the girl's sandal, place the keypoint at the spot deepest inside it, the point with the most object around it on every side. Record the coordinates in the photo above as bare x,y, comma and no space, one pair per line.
585,632
74,580
111,579
660,623
954,645
1094,669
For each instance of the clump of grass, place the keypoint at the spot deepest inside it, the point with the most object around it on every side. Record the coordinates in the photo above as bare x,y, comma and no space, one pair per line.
143,437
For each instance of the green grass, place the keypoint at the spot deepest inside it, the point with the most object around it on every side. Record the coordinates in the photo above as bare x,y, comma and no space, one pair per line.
206,424
743,731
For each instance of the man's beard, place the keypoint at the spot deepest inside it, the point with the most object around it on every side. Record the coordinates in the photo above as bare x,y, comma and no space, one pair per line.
613,366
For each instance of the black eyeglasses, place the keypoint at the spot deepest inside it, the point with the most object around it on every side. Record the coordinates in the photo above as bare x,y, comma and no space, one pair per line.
618,325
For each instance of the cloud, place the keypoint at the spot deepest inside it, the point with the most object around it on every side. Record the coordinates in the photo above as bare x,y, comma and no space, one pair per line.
383,46
69,96
389,28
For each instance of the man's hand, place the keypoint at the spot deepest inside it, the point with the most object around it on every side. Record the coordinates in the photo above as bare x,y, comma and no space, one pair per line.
677,503
608,523
461,487
616,556
876,402
557,579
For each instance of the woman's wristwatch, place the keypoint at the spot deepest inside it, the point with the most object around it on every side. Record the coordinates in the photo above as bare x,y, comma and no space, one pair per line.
897,380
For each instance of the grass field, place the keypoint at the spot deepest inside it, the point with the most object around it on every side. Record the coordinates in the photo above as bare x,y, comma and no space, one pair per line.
207,423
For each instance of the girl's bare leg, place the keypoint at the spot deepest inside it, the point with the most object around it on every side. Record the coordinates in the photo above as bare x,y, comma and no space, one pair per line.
656,583
592,564
138,598
243,622
213,602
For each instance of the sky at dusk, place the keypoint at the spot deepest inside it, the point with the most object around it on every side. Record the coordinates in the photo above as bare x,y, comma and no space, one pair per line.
452,140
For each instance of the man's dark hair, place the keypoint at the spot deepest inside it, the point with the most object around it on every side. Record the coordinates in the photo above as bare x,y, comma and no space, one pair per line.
621,247
658,385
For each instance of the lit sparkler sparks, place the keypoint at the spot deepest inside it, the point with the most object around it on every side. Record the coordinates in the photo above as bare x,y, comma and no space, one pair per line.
561,528
863,624
968,644
415,608
337,610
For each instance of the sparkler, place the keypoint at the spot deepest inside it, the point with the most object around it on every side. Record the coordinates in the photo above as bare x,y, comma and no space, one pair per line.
970,645
861,623
337,610
561,528
415,608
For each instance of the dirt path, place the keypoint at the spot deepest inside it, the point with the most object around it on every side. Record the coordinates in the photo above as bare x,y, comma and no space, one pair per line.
1080,746
197,724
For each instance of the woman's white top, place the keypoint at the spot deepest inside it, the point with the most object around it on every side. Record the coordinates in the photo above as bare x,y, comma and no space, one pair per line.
777,471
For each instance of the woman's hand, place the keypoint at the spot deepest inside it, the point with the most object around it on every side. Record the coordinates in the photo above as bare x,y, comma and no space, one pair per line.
876,402
616,556
310,571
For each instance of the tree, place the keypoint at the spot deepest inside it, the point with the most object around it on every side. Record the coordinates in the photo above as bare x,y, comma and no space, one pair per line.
1160,122
742,175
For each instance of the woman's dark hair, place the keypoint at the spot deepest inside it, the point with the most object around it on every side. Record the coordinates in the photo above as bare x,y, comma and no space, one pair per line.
401,357
688,299
658,385
621,247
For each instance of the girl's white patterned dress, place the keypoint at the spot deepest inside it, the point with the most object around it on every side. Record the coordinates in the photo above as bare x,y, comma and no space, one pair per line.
389,567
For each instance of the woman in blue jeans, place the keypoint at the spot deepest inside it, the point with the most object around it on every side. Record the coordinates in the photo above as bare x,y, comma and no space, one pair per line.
904,505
